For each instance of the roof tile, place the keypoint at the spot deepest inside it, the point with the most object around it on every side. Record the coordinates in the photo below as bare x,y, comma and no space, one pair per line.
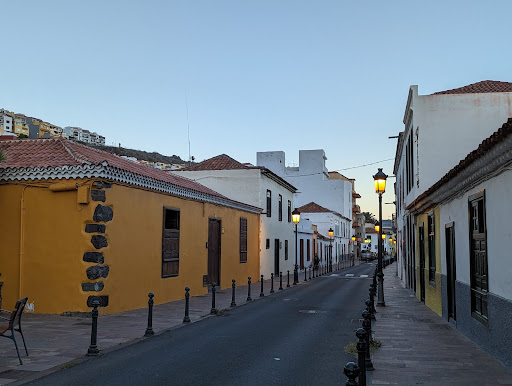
485,86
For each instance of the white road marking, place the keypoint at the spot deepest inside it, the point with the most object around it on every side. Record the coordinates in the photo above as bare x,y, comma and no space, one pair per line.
277,359
363,276
349,274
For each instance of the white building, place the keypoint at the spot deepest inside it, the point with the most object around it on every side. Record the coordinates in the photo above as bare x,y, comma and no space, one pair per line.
440,129
260,187
312,180
82,135
305,245
6,122
326,219
472,203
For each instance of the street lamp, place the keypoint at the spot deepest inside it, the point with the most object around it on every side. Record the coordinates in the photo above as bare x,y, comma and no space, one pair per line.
380,187
377,227
296,219
331,232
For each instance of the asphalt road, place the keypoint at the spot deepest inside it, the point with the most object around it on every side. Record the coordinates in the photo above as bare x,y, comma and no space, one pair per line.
295,337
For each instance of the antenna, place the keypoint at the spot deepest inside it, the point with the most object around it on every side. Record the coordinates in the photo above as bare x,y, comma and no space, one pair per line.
188,128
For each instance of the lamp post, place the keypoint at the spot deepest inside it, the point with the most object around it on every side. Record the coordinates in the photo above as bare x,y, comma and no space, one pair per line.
296,219
331,232
380,187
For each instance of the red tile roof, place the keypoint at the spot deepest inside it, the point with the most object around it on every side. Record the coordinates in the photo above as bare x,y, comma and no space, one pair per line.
59,152
485,86
220,162
313,207
496,138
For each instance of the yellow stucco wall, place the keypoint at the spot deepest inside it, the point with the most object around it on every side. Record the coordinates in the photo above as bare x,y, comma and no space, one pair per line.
54,241
433,294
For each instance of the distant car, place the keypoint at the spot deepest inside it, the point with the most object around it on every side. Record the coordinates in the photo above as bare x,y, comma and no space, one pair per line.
366,256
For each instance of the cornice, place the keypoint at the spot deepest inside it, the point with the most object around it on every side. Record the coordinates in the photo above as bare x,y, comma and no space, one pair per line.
119,175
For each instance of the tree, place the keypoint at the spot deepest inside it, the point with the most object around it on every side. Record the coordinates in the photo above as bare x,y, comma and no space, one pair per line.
369,217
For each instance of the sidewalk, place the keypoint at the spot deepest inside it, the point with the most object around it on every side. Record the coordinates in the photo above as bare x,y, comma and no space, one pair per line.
421,348
55,341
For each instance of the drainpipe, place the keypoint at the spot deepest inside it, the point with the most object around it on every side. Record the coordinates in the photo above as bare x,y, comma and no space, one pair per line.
22,239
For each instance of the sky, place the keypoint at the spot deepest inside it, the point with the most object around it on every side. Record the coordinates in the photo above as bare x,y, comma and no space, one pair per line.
238,77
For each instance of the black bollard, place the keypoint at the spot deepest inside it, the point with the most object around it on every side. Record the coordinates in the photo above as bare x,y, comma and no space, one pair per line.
361,354
149,329
213,310
249,289
261,293
310,272
271,283
369,309
280,281
233,303
305,274
186,318
351,370
372,301
367,328
288,284
93,347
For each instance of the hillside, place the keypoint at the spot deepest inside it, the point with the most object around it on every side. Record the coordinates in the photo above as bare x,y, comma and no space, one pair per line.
139,154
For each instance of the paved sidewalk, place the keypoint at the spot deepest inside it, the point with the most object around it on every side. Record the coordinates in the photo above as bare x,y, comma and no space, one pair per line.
421,348
56,341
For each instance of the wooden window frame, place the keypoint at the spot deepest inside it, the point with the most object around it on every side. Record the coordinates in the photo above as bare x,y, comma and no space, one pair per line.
166,260
286,249
280,208
289,211
243,240
308,251
269,203
431,242
483,315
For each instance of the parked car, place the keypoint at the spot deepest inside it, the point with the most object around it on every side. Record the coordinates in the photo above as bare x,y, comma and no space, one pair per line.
366,256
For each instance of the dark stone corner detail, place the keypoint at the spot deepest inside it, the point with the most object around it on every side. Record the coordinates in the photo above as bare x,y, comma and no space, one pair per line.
103,300
98,195
97,286
95,228
93,257
97,271
103,213
99,241
103,185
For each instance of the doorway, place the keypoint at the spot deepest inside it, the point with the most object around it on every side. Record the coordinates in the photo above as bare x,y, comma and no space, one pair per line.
276,257
214,249
421,230
450,270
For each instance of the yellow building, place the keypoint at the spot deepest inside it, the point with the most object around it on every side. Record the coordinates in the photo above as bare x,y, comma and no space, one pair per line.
20,125
79,224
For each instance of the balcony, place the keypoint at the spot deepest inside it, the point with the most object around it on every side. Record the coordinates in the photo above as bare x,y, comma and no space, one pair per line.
355,194
356,209
356,224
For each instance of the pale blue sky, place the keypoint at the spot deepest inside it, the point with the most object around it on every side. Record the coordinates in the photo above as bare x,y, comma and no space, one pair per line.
258,75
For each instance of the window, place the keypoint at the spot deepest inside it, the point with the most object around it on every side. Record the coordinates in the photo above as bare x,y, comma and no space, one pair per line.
431,249
286,249
289,211
243,240
308,250
268,244
171,243
269,203
280,208
478,257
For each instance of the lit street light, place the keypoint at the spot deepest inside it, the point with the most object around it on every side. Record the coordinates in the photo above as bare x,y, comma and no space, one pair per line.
330,248
296,219
380,187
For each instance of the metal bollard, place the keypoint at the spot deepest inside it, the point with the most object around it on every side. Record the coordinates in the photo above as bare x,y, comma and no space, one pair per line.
249,289
351,370
261,293
288,284
233,303
213,310
369,309
361,353
305,274
367,328
186,318
372,301
280,281
149,328
271,283
93,347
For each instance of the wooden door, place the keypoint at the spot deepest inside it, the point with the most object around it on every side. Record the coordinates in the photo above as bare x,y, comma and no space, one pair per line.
450,269
301,253
421,230
214,250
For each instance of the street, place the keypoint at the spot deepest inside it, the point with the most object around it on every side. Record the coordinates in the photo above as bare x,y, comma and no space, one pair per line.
294,337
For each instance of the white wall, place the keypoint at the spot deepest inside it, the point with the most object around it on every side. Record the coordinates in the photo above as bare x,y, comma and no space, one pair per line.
250,187
498,192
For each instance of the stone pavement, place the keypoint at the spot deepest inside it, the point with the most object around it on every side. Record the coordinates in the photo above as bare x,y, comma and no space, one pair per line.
55,341
421,348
